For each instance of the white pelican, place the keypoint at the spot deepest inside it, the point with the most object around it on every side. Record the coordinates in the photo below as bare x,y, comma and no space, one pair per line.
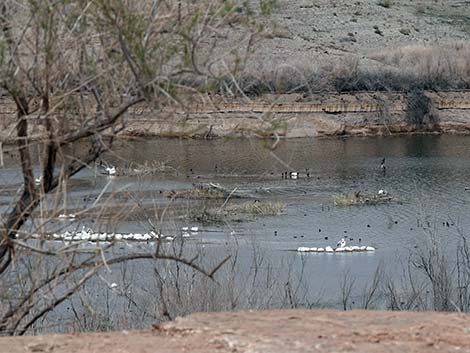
370,248
294,175
303,249
68,237
107,169
67,216
194,229
85,236
320,250
341,244
329,249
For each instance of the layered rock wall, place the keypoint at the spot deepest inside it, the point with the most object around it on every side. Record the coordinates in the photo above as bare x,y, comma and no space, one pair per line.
363,113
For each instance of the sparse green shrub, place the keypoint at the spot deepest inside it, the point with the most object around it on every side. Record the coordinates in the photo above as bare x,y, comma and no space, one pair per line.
420,8
267,6
385,3
405,31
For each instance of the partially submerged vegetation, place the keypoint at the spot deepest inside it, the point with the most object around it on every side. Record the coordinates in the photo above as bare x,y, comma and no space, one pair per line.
145,169
360,199
201,191
195,193
236,211
257,208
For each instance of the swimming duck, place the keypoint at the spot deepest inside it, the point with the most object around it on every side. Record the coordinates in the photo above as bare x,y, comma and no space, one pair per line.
382,166
294,175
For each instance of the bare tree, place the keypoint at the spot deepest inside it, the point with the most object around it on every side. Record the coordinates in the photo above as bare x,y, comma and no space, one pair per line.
73,71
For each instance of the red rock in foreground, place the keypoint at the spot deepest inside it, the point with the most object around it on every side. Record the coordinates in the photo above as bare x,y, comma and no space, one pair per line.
272,331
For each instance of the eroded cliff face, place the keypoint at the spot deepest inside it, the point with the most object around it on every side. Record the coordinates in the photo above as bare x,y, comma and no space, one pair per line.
288,116
368,113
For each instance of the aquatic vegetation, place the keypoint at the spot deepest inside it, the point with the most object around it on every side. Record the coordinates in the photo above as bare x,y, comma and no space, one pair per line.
359,199
147,168
196,193
206,191
258,208
237,211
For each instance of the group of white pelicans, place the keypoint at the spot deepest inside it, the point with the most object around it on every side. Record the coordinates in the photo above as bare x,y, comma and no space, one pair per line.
341,247
87,234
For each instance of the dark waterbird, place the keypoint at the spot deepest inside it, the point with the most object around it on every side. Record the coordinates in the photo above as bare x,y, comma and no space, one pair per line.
382,166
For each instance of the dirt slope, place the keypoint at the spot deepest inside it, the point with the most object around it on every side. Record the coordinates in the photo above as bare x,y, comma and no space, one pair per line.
308,33
272,331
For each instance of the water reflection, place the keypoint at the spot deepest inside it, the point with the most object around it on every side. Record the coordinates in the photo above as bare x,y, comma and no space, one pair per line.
427,173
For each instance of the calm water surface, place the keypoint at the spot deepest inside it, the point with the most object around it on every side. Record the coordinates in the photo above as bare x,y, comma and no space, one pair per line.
428,174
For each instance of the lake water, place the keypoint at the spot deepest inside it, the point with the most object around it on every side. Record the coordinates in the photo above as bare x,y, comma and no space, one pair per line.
427,174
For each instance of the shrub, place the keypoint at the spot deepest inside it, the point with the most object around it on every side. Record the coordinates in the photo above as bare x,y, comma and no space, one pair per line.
385,3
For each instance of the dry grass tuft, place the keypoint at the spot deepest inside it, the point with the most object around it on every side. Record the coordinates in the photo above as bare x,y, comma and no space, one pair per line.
237,211
358,199
404,69
257,208
443,66
196,193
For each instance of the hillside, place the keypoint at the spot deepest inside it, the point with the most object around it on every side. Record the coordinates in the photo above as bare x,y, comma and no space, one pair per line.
323,36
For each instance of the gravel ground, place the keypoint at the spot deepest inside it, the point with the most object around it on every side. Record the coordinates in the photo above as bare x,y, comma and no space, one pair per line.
319,33
272,331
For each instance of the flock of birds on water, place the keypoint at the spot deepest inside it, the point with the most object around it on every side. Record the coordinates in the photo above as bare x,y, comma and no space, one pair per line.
87,234
340,247
109,170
